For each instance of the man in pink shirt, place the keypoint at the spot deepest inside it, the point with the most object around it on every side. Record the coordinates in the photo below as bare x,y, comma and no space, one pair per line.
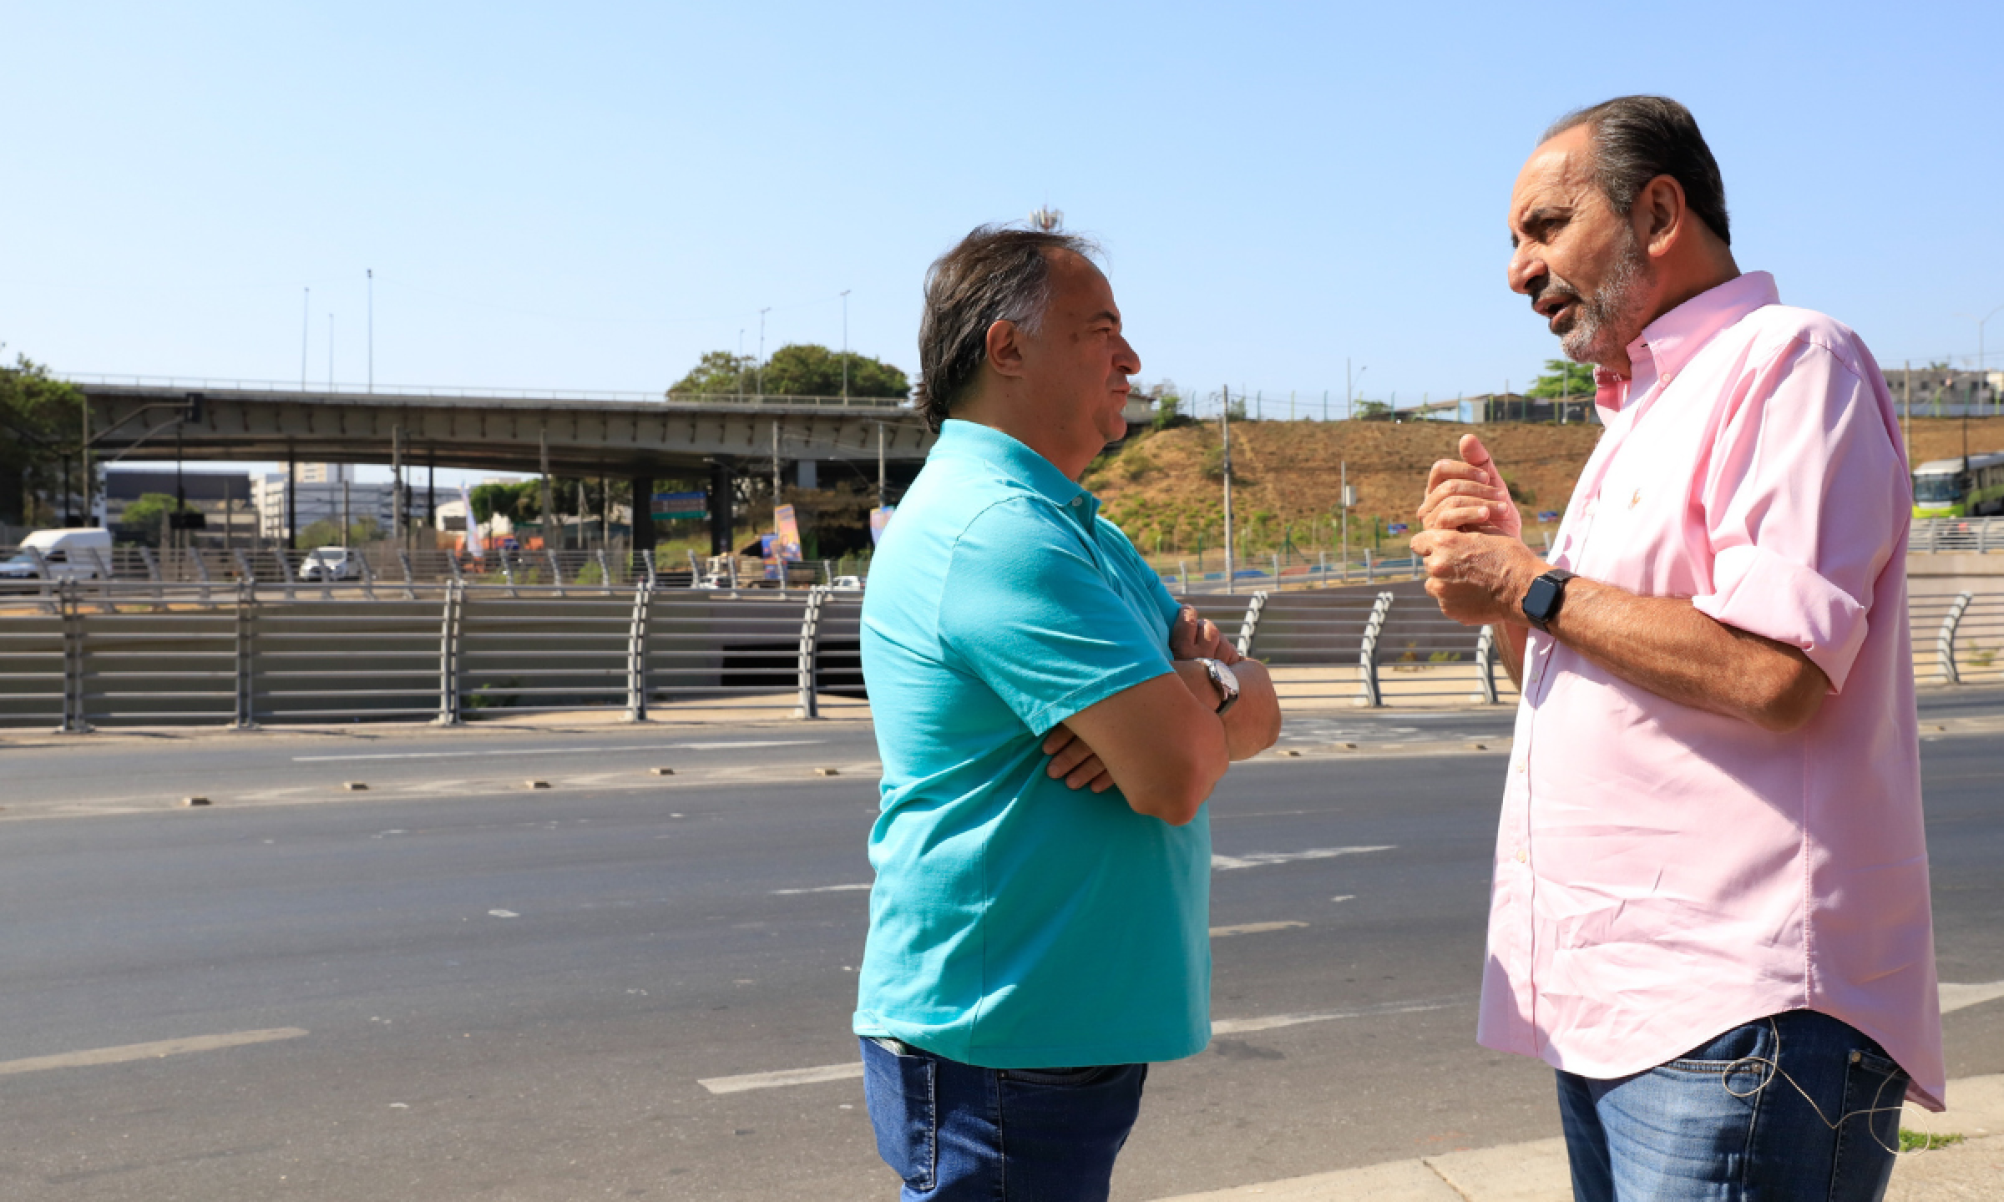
1710,905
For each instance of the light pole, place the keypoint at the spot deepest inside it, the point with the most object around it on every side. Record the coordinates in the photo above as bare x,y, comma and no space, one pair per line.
845,347
372,329
1349,391
761,350
305,333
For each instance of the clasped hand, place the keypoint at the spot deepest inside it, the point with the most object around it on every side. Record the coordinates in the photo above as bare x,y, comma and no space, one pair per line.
1477,565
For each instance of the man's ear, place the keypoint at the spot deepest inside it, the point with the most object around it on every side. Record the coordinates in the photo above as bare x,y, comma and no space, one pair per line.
1659,215
1005,348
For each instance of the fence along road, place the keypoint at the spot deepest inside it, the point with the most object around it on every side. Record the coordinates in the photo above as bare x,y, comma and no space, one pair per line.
78,655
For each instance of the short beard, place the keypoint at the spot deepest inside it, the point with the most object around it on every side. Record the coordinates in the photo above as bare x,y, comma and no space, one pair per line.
1611,318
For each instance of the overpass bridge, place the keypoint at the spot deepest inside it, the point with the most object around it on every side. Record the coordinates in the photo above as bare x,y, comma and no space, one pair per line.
638,437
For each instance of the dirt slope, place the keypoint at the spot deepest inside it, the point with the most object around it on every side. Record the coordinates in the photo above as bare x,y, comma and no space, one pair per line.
1163,488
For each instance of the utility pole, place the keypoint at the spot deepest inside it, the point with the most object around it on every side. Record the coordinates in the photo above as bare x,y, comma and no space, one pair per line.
305,335
775,464
1225,428
330,352
1907,396
845,374
372,329
1343,496
1348,395
881,493
397,481
549,503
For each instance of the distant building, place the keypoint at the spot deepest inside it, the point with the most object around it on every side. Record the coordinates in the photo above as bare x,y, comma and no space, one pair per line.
327,500
226,499
1516,407
1946,392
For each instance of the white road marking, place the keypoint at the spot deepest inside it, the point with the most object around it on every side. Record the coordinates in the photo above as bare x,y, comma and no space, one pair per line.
820,889
1229,1026
1343,897
1253,928
504,914
1956,997
148,1051
467,755
1245,1026
794,1076
1260,859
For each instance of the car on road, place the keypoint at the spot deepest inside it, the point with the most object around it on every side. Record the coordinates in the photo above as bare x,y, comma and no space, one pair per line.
82,553
331,563
848,584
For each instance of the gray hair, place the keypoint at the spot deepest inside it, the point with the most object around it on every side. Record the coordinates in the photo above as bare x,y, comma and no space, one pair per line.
1637,138
996,273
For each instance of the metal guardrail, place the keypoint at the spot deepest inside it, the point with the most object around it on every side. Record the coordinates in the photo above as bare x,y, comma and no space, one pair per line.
80,654
1956,536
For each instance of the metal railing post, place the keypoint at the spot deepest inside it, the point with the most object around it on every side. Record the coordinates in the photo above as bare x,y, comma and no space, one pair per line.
284,570
75,721
636,651
508,573
604,572
1249,626
556,571
368,577
202,574
647,562
448,656
1485,664
1944,640
458,577
410,584
1367,655
810,641
152,563
695,571
246,648
1369,567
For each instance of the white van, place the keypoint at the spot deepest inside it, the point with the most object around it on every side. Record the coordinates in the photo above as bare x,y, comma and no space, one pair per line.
76,554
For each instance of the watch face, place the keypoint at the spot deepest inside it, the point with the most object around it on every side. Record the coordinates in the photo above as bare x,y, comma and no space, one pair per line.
1226,676
1538,601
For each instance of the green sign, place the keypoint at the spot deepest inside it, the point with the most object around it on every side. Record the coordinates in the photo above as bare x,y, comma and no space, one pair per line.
681,505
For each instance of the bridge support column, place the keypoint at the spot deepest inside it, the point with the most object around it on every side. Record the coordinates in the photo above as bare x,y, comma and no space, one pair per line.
720,507
643,516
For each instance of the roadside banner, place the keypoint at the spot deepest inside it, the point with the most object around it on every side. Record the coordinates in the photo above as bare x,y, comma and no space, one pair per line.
474,549
786,528
670,505
879,520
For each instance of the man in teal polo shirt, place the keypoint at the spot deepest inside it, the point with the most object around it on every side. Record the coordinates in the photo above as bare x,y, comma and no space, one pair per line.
1050,723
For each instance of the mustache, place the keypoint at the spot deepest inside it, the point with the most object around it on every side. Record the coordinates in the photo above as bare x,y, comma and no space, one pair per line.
1556,287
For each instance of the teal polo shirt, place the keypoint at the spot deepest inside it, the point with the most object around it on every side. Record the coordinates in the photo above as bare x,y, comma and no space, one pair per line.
1016,923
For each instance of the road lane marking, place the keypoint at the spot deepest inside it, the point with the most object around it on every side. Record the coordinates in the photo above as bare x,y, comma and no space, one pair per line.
1253,928
1956,997
793,1076
1259,859
1271,1022
148,1051
467,755
820,889
1230,1026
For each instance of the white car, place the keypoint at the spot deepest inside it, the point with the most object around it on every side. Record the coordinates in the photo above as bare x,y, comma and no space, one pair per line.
848,584
331,563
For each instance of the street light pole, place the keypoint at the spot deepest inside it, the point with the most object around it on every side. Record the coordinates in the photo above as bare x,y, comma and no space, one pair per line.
761,350
305,334
372,329
845,346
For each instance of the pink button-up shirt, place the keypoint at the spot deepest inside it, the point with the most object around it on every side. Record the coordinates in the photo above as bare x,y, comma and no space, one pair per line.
1665,874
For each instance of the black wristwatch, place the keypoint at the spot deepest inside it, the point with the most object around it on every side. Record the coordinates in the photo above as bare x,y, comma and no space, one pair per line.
1225,681
1547,594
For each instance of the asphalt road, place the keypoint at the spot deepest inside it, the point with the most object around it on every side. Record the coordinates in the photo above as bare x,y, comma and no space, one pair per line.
453,987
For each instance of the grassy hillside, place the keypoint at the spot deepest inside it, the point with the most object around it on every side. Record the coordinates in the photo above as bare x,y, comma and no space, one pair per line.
1163,488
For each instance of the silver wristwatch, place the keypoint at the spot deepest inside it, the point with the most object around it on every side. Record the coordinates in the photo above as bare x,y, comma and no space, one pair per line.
1226,681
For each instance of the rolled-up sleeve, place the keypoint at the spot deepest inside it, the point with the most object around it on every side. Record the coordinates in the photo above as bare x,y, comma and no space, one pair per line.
1802,501
1027,610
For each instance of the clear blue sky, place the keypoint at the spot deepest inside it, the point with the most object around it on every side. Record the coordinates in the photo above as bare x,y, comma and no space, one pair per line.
589,196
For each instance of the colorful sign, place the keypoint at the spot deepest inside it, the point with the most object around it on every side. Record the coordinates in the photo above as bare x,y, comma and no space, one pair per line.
787,528
671,505
1396,528
879,520
1548,515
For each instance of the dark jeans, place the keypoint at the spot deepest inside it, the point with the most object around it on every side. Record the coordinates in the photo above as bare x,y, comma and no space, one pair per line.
1721,1123
954,1131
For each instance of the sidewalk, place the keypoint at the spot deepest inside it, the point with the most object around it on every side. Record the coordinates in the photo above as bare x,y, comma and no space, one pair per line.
1971,1171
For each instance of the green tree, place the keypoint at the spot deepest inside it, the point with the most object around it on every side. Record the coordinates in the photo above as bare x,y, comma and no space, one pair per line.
719,373
41,427
808,369
518,502
1563,378
141,519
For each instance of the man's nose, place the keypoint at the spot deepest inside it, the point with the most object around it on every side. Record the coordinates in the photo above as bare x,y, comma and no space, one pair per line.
1525,267
1125,358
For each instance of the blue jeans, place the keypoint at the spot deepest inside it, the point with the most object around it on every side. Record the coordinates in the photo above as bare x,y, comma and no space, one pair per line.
954,1131
1721,1123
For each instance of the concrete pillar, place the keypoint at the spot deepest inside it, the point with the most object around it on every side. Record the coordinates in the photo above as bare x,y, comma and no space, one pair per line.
643,514
720,507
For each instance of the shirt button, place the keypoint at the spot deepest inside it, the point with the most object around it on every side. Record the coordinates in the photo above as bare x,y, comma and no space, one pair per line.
1520,770
1523,857
1076,501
